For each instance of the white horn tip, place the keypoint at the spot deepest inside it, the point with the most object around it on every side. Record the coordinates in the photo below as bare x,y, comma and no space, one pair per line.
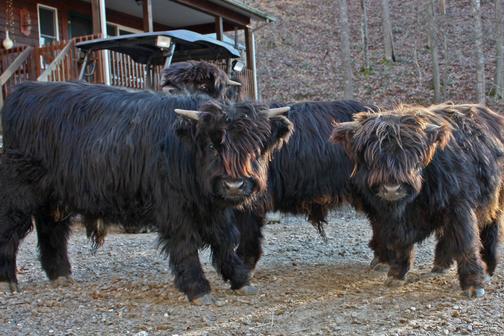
188,113
278,111
232,82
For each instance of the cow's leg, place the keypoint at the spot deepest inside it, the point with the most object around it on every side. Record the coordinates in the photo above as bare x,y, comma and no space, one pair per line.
52,243
464,246
380,253
186,267
14,226
400,259
442,258
250,247
17,200
489,236
226,260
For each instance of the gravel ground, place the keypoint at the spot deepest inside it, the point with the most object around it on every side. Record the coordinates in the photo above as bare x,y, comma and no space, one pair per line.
306,287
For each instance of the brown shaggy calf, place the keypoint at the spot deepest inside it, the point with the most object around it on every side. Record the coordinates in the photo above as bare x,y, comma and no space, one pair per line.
424,170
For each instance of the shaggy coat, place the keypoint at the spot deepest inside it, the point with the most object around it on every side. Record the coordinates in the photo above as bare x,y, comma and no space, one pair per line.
126,157
424,170
308,176
197,77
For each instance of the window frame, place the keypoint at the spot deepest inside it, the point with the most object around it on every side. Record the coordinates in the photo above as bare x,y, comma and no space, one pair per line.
56,22
124,28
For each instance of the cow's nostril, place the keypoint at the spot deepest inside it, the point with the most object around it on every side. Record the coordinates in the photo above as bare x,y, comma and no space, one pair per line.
391,188
234,184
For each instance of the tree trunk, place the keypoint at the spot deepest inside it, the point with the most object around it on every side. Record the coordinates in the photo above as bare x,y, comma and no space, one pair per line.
442,7
365,35
478,51
434,51
387,32
499,67
345,49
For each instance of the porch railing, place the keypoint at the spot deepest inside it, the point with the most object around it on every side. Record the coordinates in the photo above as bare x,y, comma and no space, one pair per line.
125,72
61,61
16,66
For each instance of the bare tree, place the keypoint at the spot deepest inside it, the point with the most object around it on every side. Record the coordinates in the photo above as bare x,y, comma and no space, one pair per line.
431,14
499,67
345,49
442,7
478,51
388,39
365,35
442,27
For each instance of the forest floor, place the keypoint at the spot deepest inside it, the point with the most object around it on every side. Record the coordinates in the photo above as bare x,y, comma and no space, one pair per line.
306,287
299,55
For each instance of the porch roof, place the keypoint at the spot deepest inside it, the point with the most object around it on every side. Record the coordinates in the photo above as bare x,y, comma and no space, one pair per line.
187,13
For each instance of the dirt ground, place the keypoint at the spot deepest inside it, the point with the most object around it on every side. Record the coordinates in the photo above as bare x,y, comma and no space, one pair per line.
306,287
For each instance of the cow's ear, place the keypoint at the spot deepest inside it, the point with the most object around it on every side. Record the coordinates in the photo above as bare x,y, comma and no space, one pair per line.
185,128
343,132
439,134
281,130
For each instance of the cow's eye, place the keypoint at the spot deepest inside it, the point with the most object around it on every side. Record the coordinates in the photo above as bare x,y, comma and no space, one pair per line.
203,86
211,147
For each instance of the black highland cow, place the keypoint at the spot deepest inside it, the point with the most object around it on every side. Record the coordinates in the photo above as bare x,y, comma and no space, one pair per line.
126,157
308,176
423,170
197,77
299,181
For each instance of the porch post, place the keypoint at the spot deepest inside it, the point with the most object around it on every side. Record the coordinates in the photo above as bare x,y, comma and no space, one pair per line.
219,28
249,44
148,23
95,12
100,26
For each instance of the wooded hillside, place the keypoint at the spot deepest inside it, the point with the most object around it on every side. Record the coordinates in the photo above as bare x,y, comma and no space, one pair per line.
300,56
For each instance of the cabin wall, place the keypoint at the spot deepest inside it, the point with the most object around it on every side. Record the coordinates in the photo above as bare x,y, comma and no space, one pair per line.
65,9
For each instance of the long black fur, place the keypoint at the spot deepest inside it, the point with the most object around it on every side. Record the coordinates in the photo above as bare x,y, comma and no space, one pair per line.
448,160
308,176
126,157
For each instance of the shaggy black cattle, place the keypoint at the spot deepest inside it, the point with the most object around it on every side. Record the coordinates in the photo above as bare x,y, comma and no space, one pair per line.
299,181
424,170
308,176
197,77
126,157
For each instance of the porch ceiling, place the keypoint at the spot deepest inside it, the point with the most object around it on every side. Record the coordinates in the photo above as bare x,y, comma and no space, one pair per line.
165,12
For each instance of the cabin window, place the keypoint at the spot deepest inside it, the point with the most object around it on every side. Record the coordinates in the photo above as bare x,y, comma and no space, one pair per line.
114,29
48,24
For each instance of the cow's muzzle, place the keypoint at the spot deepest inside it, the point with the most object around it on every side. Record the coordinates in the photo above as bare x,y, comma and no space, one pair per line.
392,192
235,190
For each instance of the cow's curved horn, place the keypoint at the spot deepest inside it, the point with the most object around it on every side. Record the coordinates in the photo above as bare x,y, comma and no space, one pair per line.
188,113
273,112
232,82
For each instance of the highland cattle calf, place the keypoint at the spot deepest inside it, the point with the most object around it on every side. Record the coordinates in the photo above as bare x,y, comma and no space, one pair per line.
126,157
424,170
197,77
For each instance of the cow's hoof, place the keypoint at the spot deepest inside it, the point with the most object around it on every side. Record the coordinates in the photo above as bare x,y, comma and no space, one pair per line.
9,287
474,292
62,281
377,265
439,269
487,279
248,290
394,283
204,300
